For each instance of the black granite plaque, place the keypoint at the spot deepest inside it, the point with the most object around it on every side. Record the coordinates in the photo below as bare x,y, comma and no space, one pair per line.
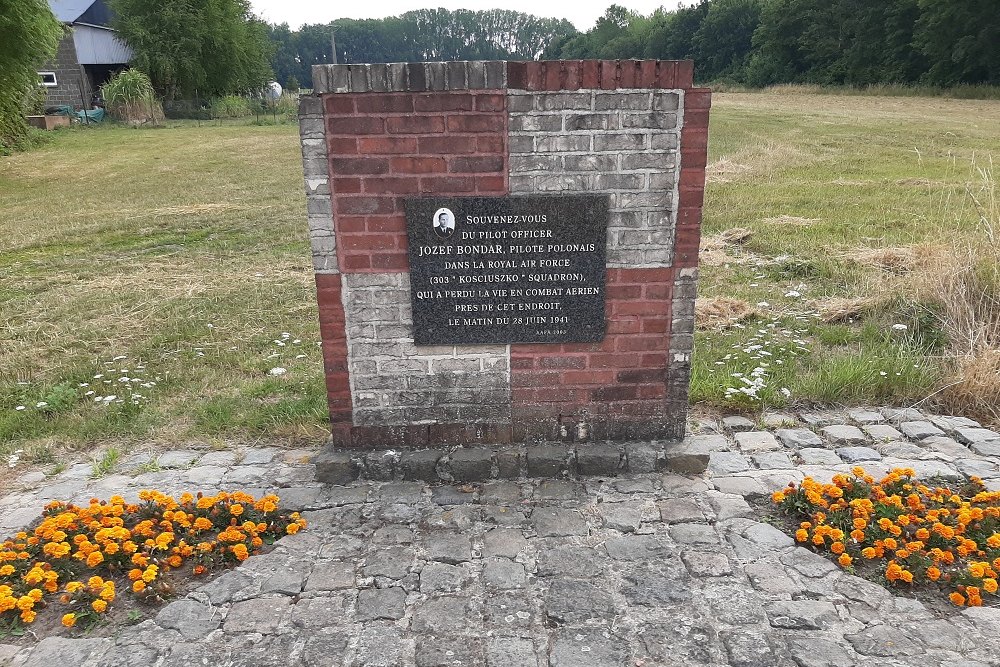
524,269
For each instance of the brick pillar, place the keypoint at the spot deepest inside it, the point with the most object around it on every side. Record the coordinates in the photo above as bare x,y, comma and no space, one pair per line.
374,135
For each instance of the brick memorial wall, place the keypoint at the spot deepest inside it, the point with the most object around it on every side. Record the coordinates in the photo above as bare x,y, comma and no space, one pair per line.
631,135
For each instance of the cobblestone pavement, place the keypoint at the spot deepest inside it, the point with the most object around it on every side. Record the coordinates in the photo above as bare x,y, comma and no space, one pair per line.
635,571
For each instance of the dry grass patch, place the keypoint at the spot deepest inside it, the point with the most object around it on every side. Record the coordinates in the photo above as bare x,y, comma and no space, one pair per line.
792,220
838,310
721,312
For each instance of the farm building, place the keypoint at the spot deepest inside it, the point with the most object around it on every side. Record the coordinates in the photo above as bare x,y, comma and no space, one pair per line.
89,53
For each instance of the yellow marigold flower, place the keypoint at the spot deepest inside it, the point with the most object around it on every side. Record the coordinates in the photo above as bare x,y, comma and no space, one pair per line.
100,606
292,528
25,602
868,552
28,616
6,570
201,523
35,594
990,585
778,497
150,573
236,509
138,586
95,559
74,587
906,576
977,570
69,620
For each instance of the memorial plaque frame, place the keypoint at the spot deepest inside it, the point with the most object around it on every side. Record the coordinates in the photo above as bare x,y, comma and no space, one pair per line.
525,269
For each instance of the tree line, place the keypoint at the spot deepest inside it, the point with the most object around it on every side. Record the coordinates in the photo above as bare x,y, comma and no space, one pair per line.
424,34
826,42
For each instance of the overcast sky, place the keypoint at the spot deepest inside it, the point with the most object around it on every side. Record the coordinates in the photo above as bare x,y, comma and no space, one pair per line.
582,13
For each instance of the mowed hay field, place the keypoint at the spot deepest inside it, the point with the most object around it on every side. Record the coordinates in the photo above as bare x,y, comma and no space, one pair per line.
174,264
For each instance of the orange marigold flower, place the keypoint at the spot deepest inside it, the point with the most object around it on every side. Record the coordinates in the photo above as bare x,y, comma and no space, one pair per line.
835,548
868,553
294,528
923,534
69,620
236,509
28,616
199,569
778,497
95,559
844,560
933,573
138,586
990,585
100,606
240,551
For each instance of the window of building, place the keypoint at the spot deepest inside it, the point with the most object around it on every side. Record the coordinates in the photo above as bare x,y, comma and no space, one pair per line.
48,79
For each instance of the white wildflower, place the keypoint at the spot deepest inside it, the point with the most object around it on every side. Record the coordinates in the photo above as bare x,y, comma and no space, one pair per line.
793,294
19,408
277,371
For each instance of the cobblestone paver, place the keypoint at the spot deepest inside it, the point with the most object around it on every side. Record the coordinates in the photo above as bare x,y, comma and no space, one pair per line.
637,571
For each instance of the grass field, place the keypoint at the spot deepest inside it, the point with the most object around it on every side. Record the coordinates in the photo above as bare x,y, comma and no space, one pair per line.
174,264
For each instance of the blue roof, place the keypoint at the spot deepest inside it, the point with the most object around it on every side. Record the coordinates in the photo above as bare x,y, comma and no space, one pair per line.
94,12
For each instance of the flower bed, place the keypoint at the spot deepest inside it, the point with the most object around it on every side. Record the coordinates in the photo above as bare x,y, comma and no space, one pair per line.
84,556
942,536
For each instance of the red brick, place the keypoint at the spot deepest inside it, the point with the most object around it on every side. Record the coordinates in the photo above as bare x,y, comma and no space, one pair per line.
638,307
572,75
418,165
623,291
386,223
355,262
609,74
342,186
459,101
534,348
612,360
667,74
655,325
553,75
641,343
339,104
642,375
415,125
517,75
446,145
355,125
387,145
521,363
694,158
658,292
364,205
491,102
698,98
653,361
562,361
650,391
536,76
370,242
624,326
647,74
477,164
695,118
491,184
491,144
684,77
342,145
548,379
396,261
614,393
360,165
692,178
589,377
392,185
694,138
340,416
347,224
382,103
693,195
628,78
641,276
591,74
481,123
686,216
447,184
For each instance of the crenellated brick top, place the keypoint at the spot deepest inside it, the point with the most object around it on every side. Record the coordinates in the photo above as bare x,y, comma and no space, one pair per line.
500,74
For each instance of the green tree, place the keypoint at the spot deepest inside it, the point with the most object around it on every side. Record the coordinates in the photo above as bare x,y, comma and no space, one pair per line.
724,39
196,47
672,38
30,37
961,40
